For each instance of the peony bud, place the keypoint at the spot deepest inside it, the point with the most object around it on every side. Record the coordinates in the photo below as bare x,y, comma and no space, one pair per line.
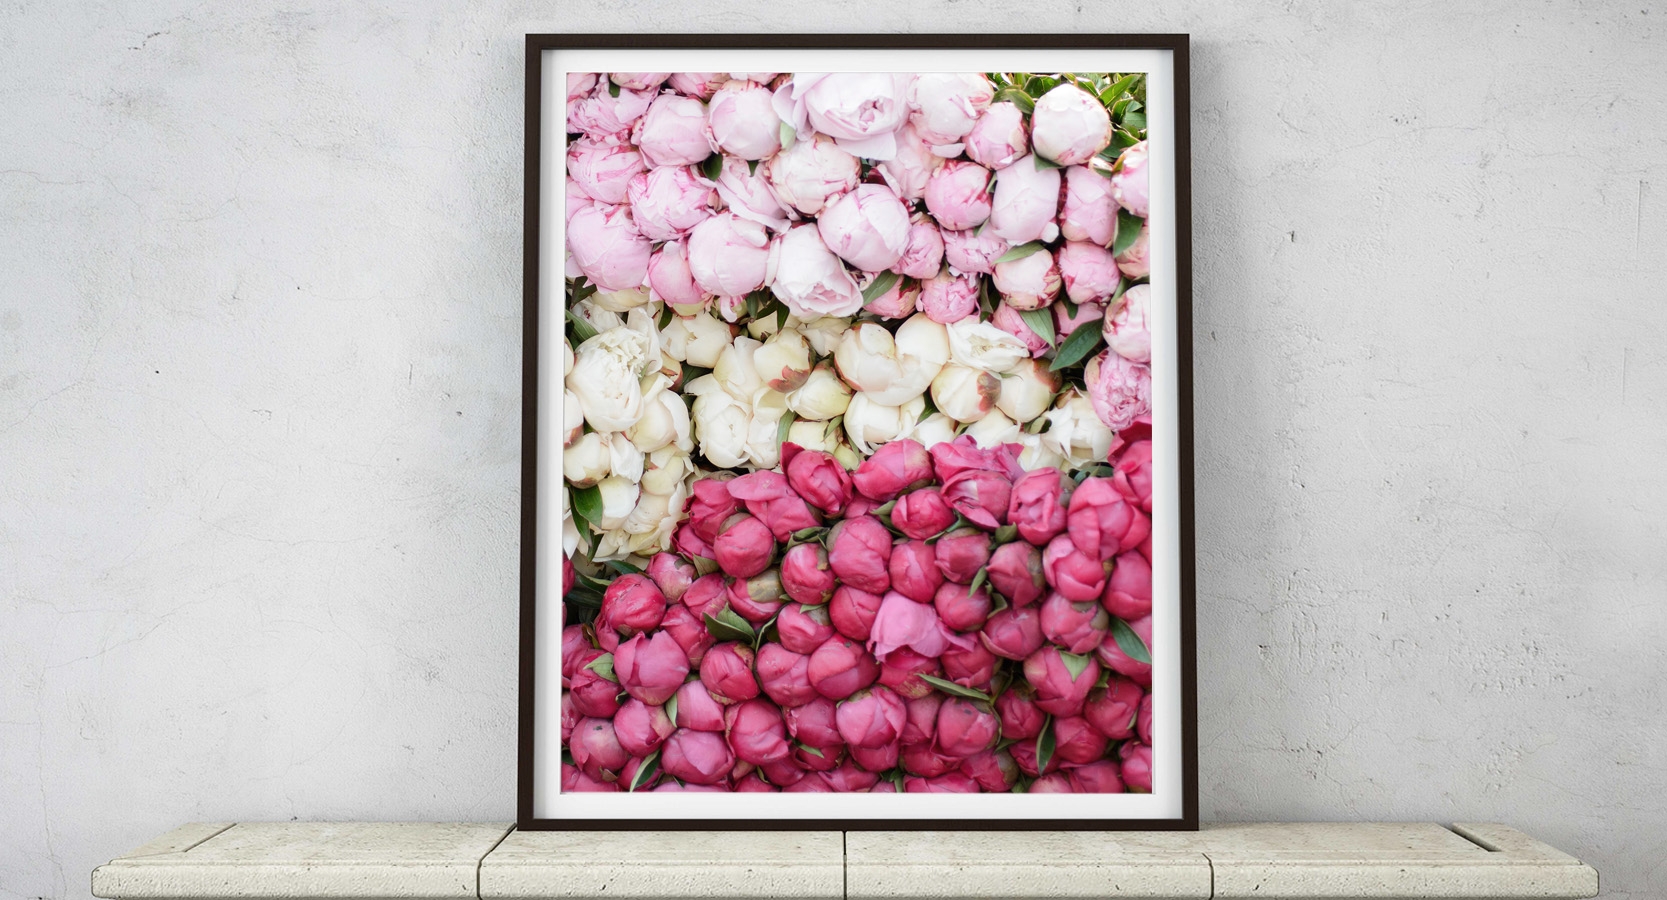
1113,708
841,667
756,732
962,552
926,762
669,201
890,370
998,139
955,195
673,131
1102,522
1128,330
1013,633
1025,203
1088,213
858,552
818,478
603,169
965,394
811,174
603,115
804,628
894,468
1059,692
1076,627
1136,260
974,667
1102,777
596,749
1079,576
1053,783
639,81
785,676
1069,125
1143,721
861,110
966,727
947,783
945,106
1133,475
823,395
1130,184
1029,282
960,608
671,575
586,461
706,594
740,121
756,599
935,429
994,770
923,250
902,669
641,728
909,170
806,575
753,784
1111,654
806,276
850,776
651,669
589,692
632,604
871,718
921,723
747,194
770,497
689,631
727,673
1088,271
1027,389
922,513
695,550
728,255
971,253
814,724
1137,766
1021,718
1037,505
1128,594
1119,391
947,297
607,247
697,757
744,546
852,612
913,570
868,228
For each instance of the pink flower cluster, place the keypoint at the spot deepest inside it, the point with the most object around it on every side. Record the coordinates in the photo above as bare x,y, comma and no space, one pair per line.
704,188
935,620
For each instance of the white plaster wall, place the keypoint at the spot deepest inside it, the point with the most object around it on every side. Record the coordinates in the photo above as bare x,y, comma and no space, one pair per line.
259,409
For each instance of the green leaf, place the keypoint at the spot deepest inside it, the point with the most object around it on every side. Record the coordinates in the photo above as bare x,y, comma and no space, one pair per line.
1129,642
788,135
1043,163
1128,231
1037,85
727,625
1041,322
623,568
1077,347
813,751
1135,121
582,330
1075,663
1045,743
787,419
587,503
1022,251
1119,88
604,666
671,708
645,772
1006,533
752,167
584,598
811,533
1017,97
613,88
957,690
666,316
713,166
782,312
1121,140
978,580
882,282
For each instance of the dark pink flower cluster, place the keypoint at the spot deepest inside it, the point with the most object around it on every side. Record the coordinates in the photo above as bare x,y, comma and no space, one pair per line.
936,620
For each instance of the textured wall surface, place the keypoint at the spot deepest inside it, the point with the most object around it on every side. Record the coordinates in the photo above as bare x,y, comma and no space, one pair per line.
259,409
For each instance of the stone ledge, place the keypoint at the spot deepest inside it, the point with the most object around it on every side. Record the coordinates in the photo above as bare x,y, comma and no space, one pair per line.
265,861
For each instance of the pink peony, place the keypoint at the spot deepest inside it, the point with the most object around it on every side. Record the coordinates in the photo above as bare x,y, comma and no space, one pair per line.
728,256
802,629
741,122
805,574
668,201
1061,687
1015,570
608,248
811,174
868,227
1069,125
1021,718
602,115
1112,656
747,194
871,718
1129,185
1029,282
671,282
603,169
946,298
912,167
1013,633
860,110
651,669
632,604
1113,708
970,254
744,547
922,513
805,275
902,622
1102,523
727,672
697,757
894,468
1074,626
699,85
596,749
770,496
1128,594
923,250
1008,319
1136,260
756,732
961,553
945,106
914,570
841,667
1088,271
1128,329
785,676
1025,203
641,728
1120,390
966,727
955,195
1079,576
998,139
852,612
1036,505
858,552
673,131
1089,212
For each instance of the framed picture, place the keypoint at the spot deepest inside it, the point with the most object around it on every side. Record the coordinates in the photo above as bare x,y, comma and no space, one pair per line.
857,438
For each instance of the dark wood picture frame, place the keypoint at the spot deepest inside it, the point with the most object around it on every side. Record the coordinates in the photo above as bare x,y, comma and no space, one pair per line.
536,44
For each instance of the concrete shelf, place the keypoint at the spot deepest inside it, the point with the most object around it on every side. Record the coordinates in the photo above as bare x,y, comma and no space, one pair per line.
266,861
